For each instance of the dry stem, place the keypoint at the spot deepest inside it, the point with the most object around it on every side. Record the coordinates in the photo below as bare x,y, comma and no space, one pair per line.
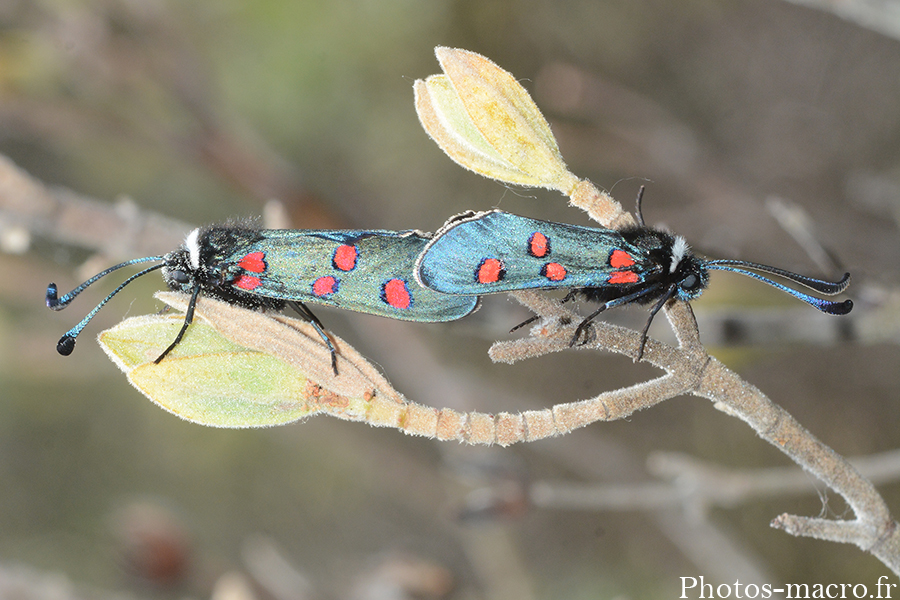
690,369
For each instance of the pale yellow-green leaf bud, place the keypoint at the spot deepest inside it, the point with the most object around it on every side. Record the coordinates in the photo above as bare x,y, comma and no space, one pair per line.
486,121
206,379
242,368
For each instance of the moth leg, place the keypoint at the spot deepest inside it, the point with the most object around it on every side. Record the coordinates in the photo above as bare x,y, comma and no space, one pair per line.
527,321
188,319
569,297
653,311
586,322
313,320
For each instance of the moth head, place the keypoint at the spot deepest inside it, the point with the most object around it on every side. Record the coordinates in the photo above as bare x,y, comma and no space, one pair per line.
688,272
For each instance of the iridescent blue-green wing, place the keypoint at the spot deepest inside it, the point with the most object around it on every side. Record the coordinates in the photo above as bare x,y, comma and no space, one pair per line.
359,270
491,252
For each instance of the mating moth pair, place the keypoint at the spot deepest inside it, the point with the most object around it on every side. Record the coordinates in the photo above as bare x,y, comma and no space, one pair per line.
414,276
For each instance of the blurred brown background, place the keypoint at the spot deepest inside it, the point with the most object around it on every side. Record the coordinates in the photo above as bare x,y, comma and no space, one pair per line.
201,111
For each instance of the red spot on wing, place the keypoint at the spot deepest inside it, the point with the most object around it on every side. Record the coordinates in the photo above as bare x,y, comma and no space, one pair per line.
325,286
345,257
619,259
623,277
538,245
490,271
554,271
253,262
396,294
248,282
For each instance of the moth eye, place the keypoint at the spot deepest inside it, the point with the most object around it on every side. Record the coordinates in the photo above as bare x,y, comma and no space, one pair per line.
689,282
179,276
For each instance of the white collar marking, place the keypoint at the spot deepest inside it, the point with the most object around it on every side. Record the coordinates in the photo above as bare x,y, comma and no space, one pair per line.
192,243
679,249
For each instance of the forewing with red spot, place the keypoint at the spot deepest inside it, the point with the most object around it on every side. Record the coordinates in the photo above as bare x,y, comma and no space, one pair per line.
490,252
363,271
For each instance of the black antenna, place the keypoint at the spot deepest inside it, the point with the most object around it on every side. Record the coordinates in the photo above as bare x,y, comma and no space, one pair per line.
56,303
637,207
829,288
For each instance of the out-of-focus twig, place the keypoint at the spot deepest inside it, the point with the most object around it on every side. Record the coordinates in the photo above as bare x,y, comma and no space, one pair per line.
26,583
882,16
64,217
273,572
695,486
